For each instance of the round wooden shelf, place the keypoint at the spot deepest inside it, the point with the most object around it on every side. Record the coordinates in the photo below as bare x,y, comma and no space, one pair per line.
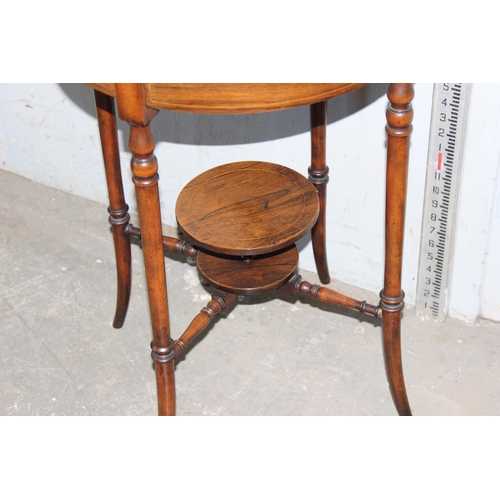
247,208
248,276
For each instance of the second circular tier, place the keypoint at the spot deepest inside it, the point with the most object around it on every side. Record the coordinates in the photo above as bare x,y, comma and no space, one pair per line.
248,276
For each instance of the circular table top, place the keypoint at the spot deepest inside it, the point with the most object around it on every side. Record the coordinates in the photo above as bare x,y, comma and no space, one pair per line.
232,98
247,208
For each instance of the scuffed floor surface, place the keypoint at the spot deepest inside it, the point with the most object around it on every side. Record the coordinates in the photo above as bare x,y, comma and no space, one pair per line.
60,355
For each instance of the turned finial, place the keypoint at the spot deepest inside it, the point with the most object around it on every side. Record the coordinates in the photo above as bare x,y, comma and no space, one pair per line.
399,111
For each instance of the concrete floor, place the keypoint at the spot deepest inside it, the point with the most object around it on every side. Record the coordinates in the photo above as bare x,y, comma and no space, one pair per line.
60,355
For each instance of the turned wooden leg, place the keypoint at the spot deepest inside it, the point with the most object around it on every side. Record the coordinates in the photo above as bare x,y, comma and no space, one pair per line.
145,177
220,300
297,285
399,118
318,175
118,209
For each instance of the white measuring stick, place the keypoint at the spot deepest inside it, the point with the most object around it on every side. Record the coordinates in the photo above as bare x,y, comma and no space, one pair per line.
444,162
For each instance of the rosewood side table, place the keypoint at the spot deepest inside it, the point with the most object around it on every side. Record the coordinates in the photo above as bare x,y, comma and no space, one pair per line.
137,105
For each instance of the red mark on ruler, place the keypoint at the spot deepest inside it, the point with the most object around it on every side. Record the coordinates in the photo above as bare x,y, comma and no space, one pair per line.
440,160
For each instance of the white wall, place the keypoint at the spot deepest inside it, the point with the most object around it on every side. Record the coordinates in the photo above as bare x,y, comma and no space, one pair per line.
475,280
490,300
48,133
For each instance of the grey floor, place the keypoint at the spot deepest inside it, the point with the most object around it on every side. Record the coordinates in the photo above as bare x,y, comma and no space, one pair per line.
60,355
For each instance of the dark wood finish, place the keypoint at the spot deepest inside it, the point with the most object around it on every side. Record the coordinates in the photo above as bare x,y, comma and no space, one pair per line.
220,300
318,175
247,208
246,202
297,285
233,98
171,244
399,127
248,275
118,209
145,177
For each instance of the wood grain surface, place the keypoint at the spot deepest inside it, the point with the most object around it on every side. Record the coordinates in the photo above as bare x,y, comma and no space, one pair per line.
247,208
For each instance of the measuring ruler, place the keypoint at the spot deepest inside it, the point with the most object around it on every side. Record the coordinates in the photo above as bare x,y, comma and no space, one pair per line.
444,161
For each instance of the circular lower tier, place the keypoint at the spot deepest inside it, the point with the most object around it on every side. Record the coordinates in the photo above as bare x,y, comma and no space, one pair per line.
248,276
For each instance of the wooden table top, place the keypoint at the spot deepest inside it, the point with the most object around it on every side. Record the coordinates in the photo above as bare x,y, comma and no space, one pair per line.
233,98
